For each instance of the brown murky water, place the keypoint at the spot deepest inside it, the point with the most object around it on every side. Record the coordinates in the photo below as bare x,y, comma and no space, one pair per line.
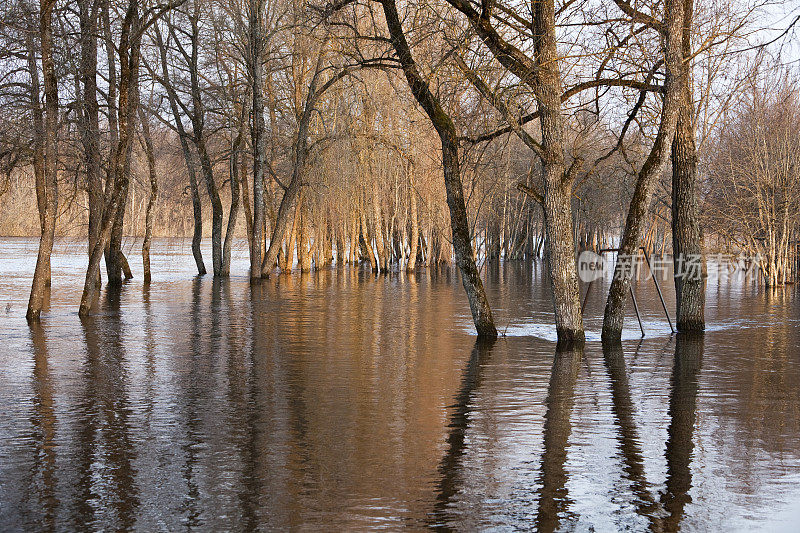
340,400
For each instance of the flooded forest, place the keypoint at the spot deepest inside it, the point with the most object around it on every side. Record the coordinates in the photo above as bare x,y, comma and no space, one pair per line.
369,264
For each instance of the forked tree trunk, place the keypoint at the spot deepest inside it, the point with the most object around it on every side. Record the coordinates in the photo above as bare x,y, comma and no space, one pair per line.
188,157
48,195
116,191
560,244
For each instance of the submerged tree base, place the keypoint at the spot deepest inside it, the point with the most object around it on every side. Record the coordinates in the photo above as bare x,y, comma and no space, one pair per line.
691,326
570,339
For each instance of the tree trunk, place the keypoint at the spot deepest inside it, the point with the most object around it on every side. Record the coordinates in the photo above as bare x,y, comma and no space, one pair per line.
303,244
648,175
113,124
234,211
49,190
380,242
295,183
366,243
470,277
352,255
38,131
199,137
560,244
687,238
291,241
248,212
414,240
151,202
113,251
90,122
116,192
258,133
188,157
340,248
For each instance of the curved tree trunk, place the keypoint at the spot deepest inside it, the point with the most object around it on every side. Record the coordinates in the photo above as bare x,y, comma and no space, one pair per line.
470,277
197,212
295,183
199,138
191,166
651,169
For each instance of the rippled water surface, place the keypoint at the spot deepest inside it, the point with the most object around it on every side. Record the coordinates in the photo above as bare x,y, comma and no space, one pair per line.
340,400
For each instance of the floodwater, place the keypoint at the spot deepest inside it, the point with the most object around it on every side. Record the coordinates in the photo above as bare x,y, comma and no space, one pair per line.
344,401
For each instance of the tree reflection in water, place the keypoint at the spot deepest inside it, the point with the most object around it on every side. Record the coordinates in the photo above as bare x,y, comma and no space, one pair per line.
449,468
554,507
554,502
107,492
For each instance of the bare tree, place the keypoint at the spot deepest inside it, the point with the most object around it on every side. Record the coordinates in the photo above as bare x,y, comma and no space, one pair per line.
677,70
47,189
147,143
755,177
470,277
129,51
